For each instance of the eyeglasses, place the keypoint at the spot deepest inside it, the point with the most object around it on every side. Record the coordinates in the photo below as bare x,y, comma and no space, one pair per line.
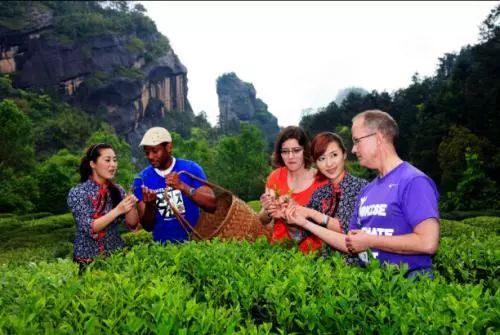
294,151
355,141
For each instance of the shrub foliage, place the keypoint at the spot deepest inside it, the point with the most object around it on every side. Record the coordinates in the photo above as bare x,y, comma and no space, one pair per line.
216,287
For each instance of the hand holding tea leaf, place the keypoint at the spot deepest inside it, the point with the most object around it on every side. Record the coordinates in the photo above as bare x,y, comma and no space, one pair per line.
279,202
287,198
267,201
127,204
148,196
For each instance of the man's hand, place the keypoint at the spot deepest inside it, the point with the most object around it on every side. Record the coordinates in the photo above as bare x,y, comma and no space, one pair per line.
173,180
147,208
357,241
423,240
148,196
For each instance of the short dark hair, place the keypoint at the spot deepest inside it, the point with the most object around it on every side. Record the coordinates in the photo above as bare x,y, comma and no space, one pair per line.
292,132
321,141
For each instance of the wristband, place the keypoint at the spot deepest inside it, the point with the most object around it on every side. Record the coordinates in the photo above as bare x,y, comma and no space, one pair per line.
324,222
191,191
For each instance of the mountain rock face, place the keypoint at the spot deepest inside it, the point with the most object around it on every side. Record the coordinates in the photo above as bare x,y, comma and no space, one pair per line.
110,75
238,102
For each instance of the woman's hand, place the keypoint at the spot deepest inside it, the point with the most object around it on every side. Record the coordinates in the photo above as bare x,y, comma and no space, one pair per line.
270,205
277,211
293,215
127,204
266,200
301,210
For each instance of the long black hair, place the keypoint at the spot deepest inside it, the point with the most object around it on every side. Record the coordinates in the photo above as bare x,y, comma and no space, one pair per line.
91,155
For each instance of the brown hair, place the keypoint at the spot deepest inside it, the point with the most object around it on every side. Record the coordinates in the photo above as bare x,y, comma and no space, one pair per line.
380,121
292,132
321,141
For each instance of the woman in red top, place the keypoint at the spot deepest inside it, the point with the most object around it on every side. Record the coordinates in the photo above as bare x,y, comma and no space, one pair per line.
294,178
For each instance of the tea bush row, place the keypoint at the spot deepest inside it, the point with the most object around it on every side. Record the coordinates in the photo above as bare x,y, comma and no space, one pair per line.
469,252
216,287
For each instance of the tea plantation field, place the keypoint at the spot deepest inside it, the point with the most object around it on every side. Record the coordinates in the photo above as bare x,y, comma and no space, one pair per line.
216,287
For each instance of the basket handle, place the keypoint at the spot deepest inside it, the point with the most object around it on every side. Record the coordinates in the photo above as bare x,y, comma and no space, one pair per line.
205,182
178,215
184,223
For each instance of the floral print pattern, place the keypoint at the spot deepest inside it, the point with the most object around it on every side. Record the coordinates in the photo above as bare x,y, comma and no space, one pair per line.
89,201
324,200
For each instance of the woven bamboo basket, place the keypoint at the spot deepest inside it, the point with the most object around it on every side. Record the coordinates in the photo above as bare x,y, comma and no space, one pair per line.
233,218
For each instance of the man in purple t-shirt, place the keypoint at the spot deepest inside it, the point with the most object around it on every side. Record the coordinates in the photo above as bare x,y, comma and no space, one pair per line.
396,215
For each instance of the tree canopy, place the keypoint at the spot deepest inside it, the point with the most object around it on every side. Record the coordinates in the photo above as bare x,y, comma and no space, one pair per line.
442,115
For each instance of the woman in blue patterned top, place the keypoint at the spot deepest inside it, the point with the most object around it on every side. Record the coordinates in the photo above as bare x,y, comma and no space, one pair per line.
98,205
331,205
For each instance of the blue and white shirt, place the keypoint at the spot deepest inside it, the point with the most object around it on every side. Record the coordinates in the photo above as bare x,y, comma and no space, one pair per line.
166,226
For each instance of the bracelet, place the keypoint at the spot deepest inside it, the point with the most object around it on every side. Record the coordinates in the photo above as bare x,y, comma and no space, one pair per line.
324,222
191,191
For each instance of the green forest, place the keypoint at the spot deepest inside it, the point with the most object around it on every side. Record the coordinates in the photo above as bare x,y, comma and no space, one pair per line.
448,122
447,126
43,140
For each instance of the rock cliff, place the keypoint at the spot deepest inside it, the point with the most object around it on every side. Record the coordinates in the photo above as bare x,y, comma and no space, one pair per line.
238,102
131,78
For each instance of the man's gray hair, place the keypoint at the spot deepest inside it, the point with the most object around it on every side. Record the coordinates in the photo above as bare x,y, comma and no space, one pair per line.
380,121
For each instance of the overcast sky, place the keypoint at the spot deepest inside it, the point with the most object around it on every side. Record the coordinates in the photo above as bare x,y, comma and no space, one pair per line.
298,55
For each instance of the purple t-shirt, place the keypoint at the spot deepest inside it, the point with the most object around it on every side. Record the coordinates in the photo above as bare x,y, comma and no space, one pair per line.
393,205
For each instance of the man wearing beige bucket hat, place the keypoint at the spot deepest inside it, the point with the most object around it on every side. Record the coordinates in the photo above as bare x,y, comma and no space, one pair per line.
161,178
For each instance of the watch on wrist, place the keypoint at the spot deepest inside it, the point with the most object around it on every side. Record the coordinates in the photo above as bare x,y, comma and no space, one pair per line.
191,191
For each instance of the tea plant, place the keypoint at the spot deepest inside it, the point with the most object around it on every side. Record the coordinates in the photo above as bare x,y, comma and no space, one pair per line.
216,287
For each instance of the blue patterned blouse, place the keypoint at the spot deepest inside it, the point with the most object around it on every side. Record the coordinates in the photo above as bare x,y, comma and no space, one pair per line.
88,201
324,201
